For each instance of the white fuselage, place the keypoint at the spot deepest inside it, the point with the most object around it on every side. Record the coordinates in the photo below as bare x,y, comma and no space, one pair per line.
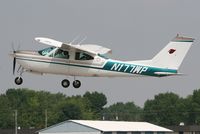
98,66
32,62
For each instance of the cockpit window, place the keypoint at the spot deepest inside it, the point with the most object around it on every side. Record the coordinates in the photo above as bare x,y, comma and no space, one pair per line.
45,51
83,56
54,52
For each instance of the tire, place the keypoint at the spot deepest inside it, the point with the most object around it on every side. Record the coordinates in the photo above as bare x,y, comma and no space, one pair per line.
76,84
65,83
18,80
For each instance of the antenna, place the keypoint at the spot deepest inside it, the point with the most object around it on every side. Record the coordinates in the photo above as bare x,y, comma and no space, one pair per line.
82,40
15,121
18,47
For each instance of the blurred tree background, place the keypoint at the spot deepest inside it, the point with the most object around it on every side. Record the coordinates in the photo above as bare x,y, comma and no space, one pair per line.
164,109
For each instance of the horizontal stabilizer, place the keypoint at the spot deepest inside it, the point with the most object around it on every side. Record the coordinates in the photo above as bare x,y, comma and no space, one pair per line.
167,73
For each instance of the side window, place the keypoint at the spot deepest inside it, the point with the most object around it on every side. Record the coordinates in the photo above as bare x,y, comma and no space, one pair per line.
83,56
61,54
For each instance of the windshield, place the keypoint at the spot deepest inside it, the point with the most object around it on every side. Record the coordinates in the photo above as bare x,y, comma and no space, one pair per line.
54,52
45,51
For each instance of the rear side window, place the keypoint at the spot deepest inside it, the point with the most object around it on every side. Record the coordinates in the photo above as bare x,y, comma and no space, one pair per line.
83,56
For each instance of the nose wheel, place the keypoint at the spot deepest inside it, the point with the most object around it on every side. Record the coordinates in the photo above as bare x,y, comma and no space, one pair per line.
18,80
65,83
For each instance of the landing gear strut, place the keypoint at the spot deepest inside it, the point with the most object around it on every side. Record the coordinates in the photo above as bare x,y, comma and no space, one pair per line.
65,83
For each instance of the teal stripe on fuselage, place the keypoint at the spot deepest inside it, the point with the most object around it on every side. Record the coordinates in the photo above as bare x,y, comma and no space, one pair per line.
124,67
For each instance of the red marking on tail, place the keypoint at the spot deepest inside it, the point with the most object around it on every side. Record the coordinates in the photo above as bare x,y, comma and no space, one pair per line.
171,51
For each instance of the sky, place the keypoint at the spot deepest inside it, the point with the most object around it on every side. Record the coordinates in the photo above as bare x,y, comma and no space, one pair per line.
133,29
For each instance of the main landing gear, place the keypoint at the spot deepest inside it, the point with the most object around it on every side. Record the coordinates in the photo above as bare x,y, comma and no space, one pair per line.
65,83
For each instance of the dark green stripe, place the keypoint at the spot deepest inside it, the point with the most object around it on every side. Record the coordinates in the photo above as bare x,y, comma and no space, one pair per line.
182,40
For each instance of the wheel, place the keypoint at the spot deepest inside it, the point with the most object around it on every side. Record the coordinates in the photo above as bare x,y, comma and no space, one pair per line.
65,83
76,84
18,80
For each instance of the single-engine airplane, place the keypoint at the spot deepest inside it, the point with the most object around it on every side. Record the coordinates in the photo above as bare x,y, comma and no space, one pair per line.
89,60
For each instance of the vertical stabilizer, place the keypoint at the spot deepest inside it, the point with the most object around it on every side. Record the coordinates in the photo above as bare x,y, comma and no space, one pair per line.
173,54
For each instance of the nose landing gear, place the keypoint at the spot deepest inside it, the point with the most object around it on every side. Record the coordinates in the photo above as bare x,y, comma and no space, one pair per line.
18,80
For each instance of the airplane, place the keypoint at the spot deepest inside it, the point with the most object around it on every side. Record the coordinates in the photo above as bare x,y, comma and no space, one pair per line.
89,60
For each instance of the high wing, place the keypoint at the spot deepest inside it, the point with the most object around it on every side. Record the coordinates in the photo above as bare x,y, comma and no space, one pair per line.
95,48
90,48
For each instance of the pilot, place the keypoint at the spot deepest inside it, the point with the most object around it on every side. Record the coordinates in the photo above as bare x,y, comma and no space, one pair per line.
66,54
62,54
